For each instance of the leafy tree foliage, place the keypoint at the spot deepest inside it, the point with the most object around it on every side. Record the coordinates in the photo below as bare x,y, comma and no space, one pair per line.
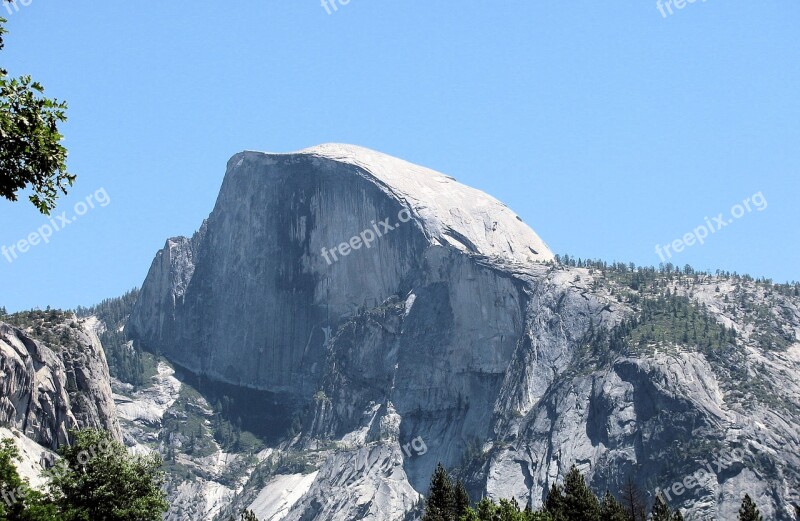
749,511
19,501
506,510
96,480
31,154
99,479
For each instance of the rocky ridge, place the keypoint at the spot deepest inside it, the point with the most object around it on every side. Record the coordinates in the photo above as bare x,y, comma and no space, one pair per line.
455,331
51,387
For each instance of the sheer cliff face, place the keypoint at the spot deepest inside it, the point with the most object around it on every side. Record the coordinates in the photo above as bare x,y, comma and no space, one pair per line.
296,244
47,390
446,340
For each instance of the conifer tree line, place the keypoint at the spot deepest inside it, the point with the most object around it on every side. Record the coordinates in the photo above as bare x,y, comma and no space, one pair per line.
571,501
125,361
641,274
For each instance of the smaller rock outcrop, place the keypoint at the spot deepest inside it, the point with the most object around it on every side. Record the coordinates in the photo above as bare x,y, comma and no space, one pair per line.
56,383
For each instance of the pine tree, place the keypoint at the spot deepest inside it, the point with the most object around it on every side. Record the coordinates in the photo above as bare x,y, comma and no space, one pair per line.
580,502
749,511
611,509
508,510
462,500
441,502
249,515
661,511
554,504
485,509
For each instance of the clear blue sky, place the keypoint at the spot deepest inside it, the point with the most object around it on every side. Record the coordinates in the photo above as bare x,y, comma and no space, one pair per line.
606,126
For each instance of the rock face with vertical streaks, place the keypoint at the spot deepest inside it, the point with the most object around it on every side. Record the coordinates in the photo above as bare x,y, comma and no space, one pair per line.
245,301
